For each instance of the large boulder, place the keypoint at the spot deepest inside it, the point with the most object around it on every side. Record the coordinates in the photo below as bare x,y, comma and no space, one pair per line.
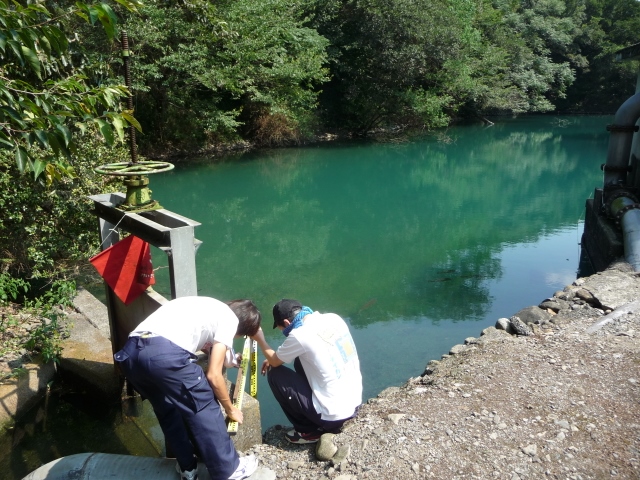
533,316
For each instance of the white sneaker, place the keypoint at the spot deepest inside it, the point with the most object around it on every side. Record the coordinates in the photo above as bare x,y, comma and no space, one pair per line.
245,469
187,474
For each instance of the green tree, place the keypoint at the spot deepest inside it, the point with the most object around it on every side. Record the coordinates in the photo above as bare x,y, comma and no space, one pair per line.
604,84
386,56
424,62
55,115
537,39
45,231
45,97
205,74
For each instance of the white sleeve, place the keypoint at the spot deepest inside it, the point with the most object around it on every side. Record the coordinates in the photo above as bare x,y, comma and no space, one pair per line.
230,360
290,349
226,330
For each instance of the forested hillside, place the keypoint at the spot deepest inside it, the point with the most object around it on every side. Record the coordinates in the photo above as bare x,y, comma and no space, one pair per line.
275,71
271,73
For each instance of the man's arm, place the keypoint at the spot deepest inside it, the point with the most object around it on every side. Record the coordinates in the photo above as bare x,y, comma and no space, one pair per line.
270,355
217,382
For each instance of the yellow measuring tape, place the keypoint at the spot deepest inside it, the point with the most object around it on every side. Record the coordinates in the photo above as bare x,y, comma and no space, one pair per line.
254,369
249,354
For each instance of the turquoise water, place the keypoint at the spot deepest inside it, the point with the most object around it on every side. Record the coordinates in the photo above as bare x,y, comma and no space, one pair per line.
417,244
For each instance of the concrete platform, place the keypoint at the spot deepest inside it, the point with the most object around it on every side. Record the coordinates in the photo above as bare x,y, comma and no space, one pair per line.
20,394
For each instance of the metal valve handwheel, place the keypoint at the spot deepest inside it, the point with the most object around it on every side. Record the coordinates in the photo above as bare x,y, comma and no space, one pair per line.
126,169
138,196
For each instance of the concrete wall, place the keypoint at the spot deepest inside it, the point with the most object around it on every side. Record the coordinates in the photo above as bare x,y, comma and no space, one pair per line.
125,318
601,240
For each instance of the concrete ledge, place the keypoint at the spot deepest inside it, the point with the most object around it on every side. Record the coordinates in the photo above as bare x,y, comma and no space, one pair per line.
250,432
94,311
22,393
87,358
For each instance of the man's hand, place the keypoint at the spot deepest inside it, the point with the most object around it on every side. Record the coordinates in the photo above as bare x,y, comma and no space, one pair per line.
265,367
235,414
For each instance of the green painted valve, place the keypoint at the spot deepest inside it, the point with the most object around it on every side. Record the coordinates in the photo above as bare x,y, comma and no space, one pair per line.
138,196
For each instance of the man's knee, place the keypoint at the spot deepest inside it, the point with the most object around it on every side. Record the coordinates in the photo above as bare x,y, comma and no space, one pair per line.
273,373
278,377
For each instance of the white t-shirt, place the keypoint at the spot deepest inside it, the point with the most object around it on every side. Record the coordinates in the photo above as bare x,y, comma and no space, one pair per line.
192,322
330,361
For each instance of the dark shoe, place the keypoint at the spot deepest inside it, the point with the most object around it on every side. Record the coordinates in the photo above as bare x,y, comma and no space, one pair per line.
301,438
187,474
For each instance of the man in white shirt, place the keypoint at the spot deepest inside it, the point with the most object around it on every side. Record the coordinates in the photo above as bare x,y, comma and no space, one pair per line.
325,388
159,361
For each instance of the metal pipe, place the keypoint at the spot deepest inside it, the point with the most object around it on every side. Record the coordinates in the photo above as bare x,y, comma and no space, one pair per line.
621,202
628,212
620,140
106,466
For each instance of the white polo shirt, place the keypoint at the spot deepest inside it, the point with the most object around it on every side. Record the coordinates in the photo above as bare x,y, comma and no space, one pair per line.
330,361
192,322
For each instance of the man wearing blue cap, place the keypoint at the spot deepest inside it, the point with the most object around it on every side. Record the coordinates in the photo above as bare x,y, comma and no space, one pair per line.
325,388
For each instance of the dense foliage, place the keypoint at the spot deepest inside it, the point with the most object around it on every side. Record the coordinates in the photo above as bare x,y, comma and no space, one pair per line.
208,74
271,72
602,84
45,229
274,72
34,328
44,93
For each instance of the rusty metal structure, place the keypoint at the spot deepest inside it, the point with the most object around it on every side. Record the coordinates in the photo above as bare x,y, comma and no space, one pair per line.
612,221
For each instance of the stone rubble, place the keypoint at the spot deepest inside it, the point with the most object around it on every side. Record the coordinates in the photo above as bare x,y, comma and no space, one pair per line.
557,395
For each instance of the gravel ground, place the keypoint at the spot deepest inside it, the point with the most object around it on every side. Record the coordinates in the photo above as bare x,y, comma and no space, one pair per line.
562,402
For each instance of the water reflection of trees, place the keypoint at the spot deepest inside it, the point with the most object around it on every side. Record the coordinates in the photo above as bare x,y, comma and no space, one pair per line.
371,230
457,287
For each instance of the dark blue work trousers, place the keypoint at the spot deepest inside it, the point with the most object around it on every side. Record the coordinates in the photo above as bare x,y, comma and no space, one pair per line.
293,392
183,402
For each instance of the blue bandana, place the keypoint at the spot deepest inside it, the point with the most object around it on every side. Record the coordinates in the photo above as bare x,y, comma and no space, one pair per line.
297,320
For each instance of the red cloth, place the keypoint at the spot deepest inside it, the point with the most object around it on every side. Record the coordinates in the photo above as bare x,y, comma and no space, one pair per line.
126,267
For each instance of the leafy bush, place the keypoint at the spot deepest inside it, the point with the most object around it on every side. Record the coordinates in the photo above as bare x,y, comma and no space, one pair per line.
273,130
17,332
11,288
57,293
45,231
45,96
205,72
